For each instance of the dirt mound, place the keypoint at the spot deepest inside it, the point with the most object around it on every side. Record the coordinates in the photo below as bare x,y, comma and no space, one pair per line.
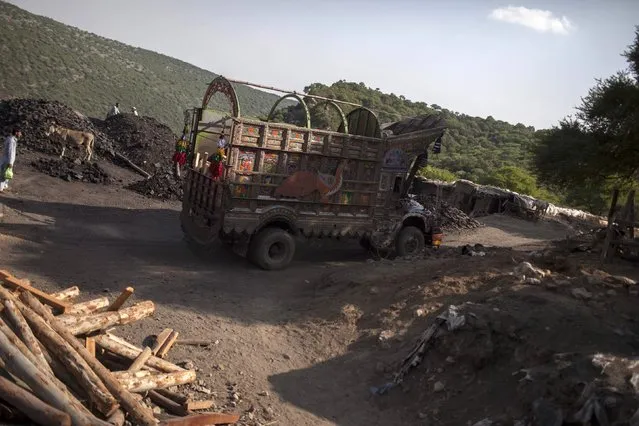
71,170
549,347
162,185
143,140
33,117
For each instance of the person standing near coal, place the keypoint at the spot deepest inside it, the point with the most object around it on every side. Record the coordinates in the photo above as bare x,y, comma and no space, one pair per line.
9,158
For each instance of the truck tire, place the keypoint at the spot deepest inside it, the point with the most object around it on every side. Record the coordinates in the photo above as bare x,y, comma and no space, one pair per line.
410,241
272,249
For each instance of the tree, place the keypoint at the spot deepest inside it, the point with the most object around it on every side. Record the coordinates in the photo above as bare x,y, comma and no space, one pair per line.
435,173
600,146
514,178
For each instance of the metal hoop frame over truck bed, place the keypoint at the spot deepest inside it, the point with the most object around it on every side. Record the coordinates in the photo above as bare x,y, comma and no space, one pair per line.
347,182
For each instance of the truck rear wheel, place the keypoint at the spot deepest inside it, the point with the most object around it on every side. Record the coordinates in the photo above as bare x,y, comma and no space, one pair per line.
272,249
410,241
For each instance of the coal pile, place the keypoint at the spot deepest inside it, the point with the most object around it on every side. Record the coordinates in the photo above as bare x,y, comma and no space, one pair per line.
162,185
72,170
143,140
34,116
449,218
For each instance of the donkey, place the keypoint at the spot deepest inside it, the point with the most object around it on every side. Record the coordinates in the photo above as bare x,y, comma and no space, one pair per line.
74,137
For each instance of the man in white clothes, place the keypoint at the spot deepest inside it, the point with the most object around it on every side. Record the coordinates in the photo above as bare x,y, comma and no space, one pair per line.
8,156
134,111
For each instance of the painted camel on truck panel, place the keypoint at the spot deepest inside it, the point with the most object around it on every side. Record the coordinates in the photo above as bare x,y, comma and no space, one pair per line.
302,183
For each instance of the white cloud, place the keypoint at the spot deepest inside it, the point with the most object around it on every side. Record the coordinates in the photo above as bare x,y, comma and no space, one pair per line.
537,19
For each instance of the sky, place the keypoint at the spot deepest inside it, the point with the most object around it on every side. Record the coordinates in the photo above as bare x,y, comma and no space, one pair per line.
520,61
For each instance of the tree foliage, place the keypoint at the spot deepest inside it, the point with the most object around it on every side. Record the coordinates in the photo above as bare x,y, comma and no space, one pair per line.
586,156
435,173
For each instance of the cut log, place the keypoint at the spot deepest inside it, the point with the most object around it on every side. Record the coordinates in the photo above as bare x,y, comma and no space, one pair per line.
141,360
18,365
199,405
67,293
142,381
114,344
89,343
16,284
25,334
139,414
117,304
38,411
174,396
168,404
203,420
78,325
166,347
161,340
88,380
117,418
87,307
132,165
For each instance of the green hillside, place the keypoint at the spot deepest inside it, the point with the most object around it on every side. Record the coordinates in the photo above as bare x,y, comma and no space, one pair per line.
45,59
473,147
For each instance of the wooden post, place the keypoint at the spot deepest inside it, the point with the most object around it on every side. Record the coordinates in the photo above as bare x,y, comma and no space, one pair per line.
26,335
87,307
86,324
113,343
89,343
15,283
36,410
67,293
168,344
161,340
117,304
139,362
173,396
613,204
142,381
199,405
168,404
140,415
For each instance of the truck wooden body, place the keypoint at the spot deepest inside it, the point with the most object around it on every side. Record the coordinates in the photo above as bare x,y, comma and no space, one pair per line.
281,182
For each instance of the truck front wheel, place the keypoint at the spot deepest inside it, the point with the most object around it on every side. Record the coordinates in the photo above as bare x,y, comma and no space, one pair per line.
272,249
410,241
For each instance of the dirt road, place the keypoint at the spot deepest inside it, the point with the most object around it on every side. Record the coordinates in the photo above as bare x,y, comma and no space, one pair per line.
283,351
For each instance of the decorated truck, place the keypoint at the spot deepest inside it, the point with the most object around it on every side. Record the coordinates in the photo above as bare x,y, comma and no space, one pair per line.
262,186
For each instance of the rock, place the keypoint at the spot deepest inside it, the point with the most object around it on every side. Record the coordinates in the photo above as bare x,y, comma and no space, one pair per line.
623,280
526,270
419,313
546,414
439,387
157,410
611,293
581,293
633,292
235,396
263,393
286,356
187,364
450,360
532,281
373,290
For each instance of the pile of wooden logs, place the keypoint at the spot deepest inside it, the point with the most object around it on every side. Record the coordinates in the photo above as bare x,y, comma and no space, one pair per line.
61,365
